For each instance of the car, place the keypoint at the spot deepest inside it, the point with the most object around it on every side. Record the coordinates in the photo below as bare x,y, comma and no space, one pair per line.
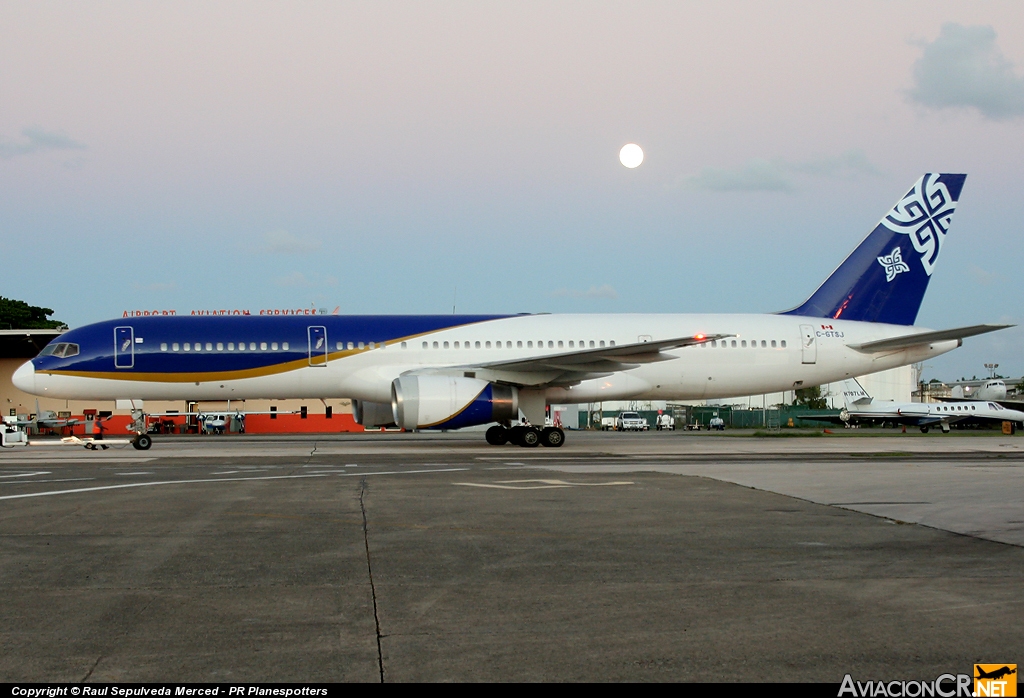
630,421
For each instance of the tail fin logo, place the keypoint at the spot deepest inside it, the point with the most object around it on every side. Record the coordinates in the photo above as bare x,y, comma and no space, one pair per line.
924,214
893,264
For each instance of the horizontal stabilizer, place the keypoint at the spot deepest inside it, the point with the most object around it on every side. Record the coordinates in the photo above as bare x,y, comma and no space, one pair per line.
913,340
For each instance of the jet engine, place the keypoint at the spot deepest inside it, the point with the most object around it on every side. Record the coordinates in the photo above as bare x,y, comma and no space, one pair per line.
373,414
451,402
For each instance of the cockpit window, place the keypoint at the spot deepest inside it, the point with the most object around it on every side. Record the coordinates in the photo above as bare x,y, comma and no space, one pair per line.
64,349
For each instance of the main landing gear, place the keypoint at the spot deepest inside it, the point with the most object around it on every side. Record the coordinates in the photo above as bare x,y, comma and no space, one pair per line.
528,436
142,442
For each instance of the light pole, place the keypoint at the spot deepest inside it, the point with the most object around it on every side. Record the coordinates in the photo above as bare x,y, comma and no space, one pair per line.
991,369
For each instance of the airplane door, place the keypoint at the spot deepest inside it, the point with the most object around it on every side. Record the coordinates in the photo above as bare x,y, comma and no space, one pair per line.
808,346
124,347
317,346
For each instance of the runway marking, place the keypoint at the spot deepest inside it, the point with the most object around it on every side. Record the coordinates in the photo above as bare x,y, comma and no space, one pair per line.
227,472
49,459
220,479
41,472
545,484
133,473
66,479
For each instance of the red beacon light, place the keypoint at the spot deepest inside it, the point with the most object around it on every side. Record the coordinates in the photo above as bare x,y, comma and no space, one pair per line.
698,336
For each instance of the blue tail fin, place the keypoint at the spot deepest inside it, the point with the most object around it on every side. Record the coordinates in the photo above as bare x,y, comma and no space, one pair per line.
885,278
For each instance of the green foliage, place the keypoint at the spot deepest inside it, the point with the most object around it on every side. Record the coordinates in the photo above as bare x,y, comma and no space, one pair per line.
19,315
810,397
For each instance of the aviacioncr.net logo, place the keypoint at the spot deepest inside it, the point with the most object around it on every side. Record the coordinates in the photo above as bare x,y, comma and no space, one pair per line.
945,686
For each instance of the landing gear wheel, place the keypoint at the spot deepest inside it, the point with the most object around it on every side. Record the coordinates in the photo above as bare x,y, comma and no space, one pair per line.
924,430
529,438
497,435
553,437
514,435
142,442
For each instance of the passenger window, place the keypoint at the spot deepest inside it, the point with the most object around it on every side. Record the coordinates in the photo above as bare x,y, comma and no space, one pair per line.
477,345
446,345
487,345
743,344
763,344
773,344
560,345
220,346
209,346
591,343
571,344
349,346
733,342
435,345
551,345
602,342
188,347
362,345
424,345
273,346
163,346
714,343
263,346
529,345
612,343
284,345
174,347
783,344
404,345
456,345
519,344
252,346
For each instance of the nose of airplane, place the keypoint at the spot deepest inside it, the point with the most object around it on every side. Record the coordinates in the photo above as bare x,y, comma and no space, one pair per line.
25,378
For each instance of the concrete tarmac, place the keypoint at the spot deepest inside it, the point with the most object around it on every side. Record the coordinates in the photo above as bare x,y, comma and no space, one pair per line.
407,557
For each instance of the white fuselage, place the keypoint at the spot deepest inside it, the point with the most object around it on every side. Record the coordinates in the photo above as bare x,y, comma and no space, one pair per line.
768,353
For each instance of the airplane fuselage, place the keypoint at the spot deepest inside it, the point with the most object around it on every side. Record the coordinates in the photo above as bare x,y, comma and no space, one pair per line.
327,356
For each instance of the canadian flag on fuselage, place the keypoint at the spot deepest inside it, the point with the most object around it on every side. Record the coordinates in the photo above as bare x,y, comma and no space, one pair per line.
885,277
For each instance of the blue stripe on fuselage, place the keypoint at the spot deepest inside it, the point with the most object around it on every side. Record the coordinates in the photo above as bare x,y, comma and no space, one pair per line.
96,341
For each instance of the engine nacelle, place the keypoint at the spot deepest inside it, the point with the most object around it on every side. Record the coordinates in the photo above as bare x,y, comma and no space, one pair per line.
373,414
451,402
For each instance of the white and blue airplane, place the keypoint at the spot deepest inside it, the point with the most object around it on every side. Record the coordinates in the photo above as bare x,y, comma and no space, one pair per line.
453,371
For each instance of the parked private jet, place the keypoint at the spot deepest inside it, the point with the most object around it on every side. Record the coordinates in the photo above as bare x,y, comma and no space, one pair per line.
452,371
861,407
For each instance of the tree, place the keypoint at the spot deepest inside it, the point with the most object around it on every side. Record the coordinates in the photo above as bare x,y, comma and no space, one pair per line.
19,315
810,397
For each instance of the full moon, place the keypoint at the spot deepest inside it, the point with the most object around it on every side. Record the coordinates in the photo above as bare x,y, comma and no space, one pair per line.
631,155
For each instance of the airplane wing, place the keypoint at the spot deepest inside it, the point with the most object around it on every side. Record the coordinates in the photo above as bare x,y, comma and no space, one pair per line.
830,418
566,368
604,357
913,340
